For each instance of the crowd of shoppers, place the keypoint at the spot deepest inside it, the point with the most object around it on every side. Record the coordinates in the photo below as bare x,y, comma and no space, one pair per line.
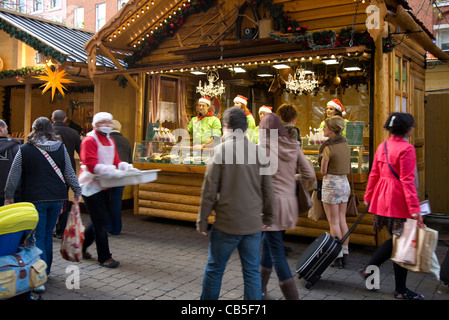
250,187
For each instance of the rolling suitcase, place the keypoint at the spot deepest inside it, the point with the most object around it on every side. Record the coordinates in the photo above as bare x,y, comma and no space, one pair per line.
320,254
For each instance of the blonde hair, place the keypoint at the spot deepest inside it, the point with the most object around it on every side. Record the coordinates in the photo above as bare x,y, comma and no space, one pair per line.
335,123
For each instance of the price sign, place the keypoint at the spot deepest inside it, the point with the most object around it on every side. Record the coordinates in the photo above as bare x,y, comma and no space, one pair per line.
354,133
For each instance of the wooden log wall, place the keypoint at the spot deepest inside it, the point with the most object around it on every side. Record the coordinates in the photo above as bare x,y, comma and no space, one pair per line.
363,234
175,195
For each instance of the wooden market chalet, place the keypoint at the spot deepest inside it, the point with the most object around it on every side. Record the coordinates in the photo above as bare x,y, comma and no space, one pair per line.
162,49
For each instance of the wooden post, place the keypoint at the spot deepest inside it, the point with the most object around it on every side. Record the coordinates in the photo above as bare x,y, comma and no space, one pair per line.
27,119
381,93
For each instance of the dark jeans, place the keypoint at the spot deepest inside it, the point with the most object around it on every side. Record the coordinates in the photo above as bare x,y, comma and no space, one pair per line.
98,206
273,254
382,254
115,222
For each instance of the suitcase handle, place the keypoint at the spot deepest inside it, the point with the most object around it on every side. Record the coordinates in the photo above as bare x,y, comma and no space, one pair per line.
354,225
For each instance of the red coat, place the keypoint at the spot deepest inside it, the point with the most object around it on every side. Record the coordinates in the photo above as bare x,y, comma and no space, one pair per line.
386,194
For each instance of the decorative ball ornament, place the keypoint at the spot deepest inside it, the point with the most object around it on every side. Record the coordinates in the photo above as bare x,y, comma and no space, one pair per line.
336,80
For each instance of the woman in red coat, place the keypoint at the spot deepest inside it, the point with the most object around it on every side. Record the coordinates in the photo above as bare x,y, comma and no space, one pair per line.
391,193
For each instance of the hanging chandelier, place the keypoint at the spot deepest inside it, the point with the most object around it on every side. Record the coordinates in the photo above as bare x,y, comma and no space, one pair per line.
210,89
302,81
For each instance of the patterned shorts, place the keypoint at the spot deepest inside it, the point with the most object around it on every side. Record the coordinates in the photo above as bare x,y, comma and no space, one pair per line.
335,189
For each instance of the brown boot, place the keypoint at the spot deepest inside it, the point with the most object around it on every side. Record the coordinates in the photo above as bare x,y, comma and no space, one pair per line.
288,288
265,275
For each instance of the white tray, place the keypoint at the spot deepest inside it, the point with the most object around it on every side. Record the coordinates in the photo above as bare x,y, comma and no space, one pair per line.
130,178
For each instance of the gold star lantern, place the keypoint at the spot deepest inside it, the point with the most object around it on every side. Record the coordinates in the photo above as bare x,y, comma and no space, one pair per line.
54,80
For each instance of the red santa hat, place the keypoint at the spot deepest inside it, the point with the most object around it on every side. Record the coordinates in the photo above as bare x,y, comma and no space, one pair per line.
241,99
266,109
337,106
206,100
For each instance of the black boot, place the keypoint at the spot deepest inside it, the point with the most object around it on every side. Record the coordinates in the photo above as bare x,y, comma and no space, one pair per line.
337,263
344,261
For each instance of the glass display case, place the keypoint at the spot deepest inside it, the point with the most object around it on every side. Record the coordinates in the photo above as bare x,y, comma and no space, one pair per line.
359,158
170,153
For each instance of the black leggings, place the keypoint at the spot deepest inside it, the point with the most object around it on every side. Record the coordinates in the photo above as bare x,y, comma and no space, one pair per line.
382,254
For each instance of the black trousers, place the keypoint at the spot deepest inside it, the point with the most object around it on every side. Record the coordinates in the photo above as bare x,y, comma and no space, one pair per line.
98,206
382,254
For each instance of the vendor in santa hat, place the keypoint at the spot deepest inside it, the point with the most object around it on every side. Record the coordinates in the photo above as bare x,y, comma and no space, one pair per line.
242,102
263,110
205,126
334,108
99,157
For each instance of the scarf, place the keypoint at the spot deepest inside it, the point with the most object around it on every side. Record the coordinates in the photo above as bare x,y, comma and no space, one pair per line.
209,114
333,140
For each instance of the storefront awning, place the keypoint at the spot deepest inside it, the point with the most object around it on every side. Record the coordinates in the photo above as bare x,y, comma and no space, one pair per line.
50,38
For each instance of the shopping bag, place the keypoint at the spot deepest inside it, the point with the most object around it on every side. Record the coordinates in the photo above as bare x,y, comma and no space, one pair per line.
427,239
73,238
317,211
404,247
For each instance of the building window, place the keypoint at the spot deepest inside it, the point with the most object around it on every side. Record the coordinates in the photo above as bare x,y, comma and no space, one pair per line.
21,6
37,5
401,81
78,20
55,4
100,16
443,40
121,3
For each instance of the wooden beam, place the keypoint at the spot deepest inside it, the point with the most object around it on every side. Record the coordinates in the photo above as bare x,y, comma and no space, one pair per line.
250,58
27,118
118,65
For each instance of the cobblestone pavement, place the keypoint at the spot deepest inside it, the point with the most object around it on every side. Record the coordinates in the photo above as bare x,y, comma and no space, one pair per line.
164,260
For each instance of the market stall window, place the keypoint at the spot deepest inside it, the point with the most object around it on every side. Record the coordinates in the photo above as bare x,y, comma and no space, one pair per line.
401,65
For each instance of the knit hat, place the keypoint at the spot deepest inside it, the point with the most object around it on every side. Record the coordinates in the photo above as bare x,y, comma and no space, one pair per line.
337,105
101,116
206,100
266,109
241,99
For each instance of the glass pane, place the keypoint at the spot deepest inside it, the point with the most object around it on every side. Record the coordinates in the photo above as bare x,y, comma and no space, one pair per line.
404,75
404,105
397,72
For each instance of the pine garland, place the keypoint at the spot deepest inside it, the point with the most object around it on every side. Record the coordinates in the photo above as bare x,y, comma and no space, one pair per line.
32,42
282,21
22,72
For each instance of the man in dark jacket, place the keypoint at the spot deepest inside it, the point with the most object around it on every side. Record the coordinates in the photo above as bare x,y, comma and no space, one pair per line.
124,150
8,150
71,139
69,136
